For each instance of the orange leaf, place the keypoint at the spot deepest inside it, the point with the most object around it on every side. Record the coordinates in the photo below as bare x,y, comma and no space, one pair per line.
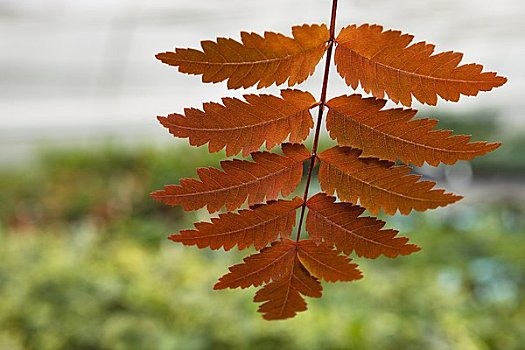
258,226
244,126
267,176
282,298
383,62
340,224
377,184
289,268
274,58
392,134
269,264
326,263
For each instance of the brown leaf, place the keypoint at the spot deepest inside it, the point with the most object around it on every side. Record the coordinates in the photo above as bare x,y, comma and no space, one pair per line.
340,224
283,298
274,58
326,263
289,268
244,126
391,134
377,184
384,63
258,227
269,264
267,176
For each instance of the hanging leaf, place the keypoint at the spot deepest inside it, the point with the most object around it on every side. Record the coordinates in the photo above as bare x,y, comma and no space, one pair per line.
383,62
326,263
282,298
377,184
392,134
341,224
289,268
274,58
258,227
267,176
269,264
244,126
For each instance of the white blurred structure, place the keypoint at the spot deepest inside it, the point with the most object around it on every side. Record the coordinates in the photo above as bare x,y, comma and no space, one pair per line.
73,70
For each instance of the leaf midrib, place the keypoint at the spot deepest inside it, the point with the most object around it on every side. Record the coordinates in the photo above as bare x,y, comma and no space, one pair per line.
275,218
243,63
418,75
240,127
399,138
384,189
326,218
222,189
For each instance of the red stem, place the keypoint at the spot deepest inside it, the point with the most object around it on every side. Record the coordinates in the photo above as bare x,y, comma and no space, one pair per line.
320,115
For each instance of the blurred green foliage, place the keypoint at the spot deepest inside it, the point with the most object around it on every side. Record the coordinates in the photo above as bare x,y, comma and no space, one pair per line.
107,188
85,265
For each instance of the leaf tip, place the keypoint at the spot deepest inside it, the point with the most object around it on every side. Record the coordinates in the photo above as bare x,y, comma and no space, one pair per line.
454,198
494,145
156,195
500,80
175,237
219,286
164,57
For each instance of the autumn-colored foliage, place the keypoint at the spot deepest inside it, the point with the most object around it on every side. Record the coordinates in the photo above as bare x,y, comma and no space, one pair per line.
245,126
393,134
341,225
383,63
378,184
264,178
272,59
361,170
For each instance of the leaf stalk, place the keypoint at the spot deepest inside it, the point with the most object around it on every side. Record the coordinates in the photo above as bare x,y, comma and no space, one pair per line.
322,103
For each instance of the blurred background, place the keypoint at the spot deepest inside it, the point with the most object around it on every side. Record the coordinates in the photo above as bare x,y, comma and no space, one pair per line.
84,259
